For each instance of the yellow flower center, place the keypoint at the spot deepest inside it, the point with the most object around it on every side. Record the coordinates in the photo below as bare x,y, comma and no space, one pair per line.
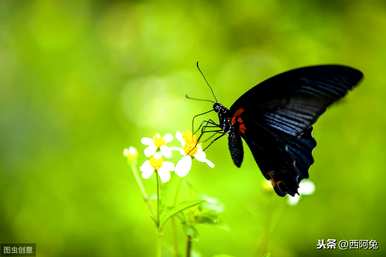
156,163
190,147
158,141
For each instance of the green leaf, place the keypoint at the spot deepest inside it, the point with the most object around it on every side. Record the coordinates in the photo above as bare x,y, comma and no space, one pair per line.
207,218
212,204
222,255
209,211
167,214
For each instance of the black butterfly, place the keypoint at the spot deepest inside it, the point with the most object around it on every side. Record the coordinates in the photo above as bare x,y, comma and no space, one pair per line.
275,120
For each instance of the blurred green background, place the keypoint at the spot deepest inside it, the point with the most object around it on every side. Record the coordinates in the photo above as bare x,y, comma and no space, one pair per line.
81,80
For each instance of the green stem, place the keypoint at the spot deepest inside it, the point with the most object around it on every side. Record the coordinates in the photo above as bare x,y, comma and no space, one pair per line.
145,196
158,221
273,217
158,202
159,244
188,246
174,225
278,217
175,239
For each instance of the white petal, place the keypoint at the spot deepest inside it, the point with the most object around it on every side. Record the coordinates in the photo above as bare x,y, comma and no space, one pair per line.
157,155
169,166
147,141
183,166
150,150
168,138
164,175
306,187
293,200
200,155
180,138
166,151
146,169
209,163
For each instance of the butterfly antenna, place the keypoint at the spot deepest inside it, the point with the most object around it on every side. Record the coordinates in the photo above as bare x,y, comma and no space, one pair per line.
207,83
198,99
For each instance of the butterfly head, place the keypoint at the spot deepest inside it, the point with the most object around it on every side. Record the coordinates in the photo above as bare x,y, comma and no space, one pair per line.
219,108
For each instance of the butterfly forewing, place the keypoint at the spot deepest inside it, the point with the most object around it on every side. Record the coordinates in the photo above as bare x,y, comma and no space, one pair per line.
293,100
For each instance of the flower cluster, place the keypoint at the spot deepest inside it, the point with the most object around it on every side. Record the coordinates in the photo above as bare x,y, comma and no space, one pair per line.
159,152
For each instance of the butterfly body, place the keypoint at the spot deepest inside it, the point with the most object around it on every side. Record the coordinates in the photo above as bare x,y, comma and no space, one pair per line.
230,125
223,116
275,120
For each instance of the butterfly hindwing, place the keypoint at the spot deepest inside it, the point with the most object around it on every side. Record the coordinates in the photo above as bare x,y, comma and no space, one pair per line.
235,146
284,159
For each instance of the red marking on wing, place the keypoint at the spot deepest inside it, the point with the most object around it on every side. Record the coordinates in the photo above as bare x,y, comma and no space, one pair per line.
242,128
236,118
237,115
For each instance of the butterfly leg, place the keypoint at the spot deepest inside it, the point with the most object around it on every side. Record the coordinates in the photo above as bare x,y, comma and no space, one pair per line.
215,132
214,140
197,115
208,129
204,126
206,123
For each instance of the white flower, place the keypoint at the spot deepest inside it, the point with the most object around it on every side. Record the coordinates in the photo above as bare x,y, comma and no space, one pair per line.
158,165
157,143
130,153
306,187
190,149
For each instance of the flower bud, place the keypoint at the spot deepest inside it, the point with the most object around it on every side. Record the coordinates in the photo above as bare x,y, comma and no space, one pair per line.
130,153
